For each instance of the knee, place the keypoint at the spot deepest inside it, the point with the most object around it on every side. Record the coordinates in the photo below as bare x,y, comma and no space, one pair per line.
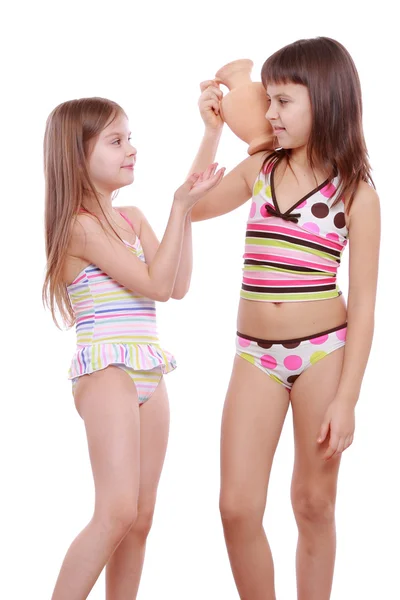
313,507
117,518
238,513
144,521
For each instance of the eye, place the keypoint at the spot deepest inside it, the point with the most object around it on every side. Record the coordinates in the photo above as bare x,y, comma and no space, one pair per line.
116,142
282,102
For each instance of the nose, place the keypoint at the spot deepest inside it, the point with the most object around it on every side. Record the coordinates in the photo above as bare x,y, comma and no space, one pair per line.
271,113
131,150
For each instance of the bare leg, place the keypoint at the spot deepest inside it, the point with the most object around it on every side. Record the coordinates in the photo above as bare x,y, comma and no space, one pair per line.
254,413
107,402
125,566
314,480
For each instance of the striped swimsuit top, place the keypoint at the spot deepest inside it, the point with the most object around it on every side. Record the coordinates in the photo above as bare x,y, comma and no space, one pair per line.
293,256
114,325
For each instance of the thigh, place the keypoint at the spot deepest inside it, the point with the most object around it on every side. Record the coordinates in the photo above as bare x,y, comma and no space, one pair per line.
311,395
253,416
108,404
154,429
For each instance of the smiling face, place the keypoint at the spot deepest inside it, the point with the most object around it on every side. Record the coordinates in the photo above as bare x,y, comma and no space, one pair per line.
290,114
112,159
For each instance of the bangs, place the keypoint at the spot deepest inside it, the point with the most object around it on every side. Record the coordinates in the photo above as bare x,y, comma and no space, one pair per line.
288,65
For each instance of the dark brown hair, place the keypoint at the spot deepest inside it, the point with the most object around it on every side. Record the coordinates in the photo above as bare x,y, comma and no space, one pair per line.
70,132
336,141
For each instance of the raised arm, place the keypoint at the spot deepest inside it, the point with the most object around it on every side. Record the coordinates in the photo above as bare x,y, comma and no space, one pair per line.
150,244
156,280
236,188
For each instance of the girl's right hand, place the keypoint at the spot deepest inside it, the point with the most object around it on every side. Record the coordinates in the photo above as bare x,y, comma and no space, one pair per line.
197,186
209,104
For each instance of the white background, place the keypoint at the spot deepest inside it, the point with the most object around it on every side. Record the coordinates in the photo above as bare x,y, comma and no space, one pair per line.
150,58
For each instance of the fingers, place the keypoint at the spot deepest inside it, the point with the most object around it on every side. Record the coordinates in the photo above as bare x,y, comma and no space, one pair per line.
210,83
210,97
339,449
210,100
333,446
348,441
337,445
211,104
208,175
323,433
209,172
210,180
217,177
194,177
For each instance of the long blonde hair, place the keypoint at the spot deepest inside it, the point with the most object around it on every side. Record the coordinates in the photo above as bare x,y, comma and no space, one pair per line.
70,129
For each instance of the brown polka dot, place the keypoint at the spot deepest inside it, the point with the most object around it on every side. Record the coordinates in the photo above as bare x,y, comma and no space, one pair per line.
320,210
292,378
264,344
291,345
339,220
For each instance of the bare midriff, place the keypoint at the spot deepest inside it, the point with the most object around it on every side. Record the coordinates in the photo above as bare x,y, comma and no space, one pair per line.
289,320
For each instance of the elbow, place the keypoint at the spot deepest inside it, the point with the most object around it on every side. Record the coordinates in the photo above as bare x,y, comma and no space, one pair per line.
179,294
181,289
162,296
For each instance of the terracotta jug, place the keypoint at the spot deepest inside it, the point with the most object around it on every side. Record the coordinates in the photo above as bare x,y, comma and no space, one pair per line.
243,108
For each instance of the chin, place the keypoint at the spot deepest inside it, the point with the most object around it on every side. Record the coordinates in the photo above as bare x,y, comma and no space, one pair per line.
127,180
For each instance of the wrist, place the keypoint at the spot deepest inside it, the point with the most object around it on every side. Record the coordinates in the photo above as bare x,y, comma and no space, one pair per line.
213,133
179,209
347,399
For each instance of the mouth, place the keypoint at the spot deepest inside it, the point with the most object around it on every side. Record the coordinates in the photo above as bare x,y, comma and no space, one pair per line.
278,130
131,166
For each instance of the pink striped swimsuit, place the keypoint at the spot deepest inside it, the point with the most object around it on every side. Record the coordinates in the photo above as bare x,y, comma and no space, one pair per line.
116,326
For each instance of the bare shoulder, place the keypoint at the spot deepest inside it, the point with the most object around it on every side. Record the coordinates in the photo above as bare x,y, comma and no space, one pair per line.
366,193
366,204
252,166
83,225
135,215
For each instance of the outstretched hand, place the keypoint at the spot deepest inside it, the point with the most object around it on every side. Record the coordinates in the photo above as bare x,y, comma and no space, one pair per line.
198,184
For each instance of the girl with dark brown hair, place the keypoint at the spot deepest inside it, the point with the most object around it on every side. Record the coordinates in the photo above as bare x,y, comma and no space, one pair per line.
297,343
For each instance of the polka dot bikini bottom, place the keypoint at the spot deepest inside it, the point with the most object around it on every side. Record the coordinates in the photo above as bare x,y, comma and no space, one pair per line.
286,360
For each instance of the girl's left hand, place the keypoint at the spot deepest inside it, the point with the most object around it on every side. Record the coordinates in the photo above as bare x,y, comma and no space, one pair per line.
339,422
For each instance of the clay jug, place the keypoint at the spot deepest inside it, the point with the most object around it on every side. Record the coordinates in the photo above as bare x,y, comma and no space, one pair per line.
243,108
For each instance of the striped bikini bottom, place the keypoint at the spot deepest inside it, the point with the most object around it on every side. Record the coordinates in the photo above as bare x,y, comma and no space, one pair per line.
144,363
145,382
285,360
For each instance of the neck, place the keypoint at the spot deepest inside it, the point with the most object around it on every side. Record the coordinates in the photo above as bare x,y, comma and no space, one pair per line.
101,206
298,156
299,161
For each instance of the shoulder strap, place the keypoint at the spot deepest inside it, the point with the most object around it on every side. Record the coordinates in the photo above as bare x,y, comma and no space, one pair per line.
126,219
